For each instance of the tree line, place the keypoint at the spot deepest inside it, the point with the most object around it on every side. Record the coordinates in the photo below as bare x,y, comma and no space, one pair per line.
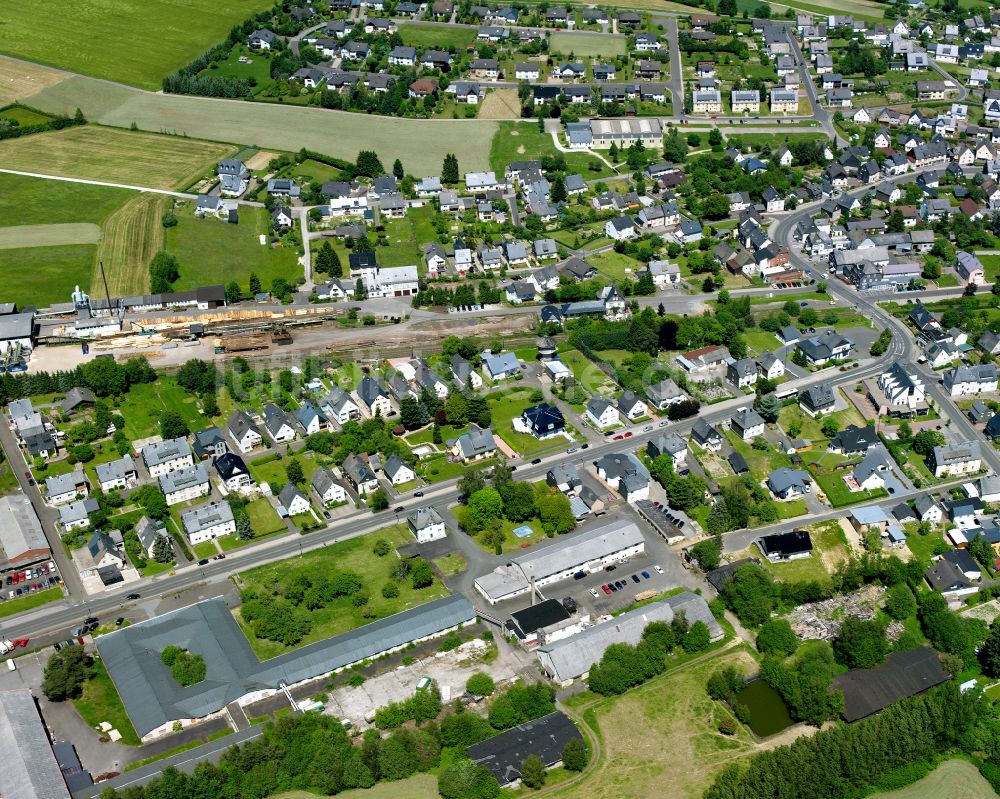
843,760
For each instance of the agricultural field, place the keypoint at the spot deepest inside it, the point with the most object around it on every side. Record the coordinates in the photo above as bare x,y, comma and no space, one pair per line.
115,156
52,248
583,45
951,778
132,235
101,41
674,715
340,615
210,251
18,79
500,104
421,144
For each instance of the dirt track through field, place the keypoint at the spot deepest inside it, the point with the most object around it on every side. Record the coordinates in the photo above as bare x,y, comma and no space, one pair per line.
19,79
18,236
132,235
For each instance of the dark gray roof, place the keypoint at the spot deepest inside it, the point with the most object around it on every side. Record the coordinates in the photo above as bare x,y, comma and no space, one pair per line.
867,691
545,737
152,697
30,769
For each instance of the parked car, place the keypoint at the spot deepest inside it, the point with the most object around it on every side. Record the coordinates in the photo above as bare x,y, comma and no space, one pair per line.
635,578
645,574
400,509
659,569
619,437
418,493
203,562
593,593
133,596
537,461
606,588
579,575
628,434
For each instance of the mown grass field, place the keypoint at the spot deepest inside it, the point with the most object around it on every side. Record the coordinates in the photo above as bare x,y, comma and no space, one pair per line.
103,39
46,274
421,144
516,141
210,251
438,37
100,702
11,238
952,778
340,615
583,44
132,235
145,403
18,79
115,156
57,251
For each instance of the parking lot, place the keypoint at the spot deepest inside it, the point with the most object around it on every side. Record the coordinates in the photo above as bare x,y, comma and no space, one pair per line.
25,581
671,574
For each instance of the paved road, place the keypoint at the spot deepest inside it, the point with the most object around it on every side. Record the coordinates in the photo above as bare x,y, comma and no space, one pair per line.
676,81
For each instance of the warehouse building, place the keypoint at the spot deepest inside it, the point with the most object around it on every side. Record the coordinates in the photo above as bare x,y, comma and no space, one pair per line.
590,551
21,534
867,691
504,753
30,769
571,658
155,701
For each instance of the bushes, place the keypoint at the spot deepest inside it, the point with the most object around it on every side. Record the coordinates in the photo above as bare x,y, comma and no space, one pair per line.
934,722
777,638
623,666
424,705
521,703
185,667
480,684
467,780
65,673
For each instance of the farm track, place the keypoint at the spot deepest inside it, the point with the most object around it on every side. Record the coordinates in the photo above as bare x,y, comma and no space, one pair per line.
131,236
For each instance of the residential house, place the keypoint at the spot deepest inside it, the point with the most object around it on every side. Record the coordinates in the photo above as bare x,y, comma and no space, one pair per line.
602,412
787,484
359,474
625,473
162,457
280,425
474,445
185,484
426,525
243,432
329,491
118,474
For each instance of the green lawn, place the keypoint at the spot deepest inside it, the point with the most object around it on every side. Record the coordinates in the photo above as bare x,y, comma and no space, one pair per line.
438,468
259,68
143,405
270,470
439,37
516,141
614,265
11,606
24,116
991,267
101,40
582,45
100,702
205,549
47,275
508,404
453,563
210,251
810,428
314,171
761,462
836,490
340,615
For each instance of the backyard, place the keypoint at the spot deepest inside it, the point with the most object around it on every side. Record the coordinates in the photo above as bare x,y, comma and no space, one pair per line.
830,549
505,406
340,615
144,404
519,140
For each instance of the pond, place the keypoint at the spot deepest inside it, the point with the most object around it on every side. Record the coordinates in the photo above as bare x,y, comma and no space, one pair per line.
768,711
